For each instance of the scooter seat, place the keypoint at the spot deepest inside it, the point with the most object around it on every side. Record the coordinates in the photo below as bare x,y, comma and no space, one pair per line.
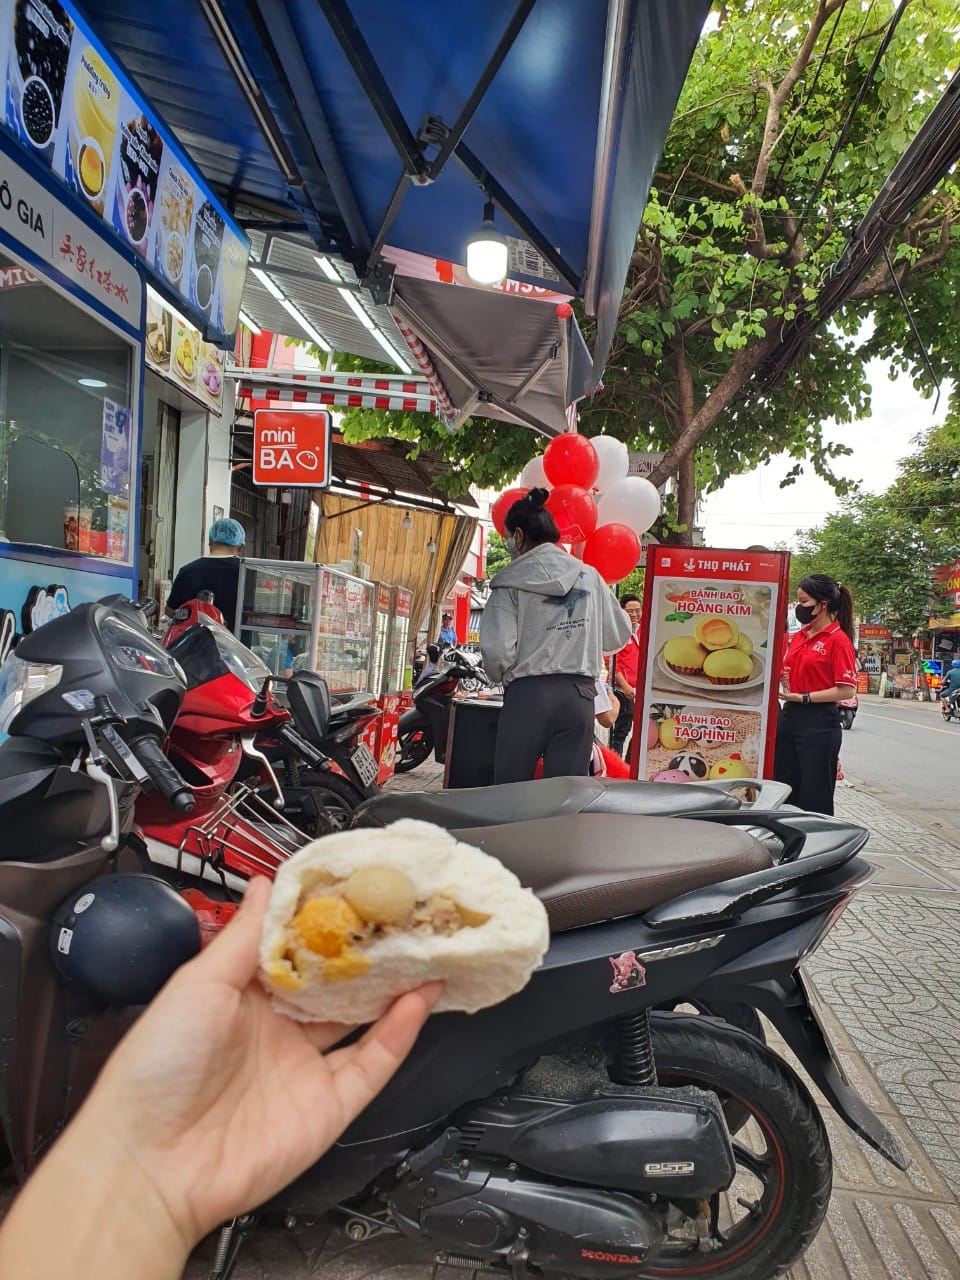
545,798
589,868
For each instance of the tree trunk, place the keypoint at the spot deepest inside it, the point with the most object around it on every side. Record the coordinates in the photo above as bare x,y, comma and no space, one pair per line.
687,497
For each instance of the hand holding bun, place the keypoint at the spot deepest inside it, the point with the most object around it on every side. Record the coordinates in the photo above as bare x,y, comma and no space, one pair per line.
356,919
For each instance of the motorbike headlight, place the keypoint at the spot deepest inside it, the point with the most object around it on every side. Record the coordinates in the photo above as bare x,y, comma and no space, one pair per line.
20,683
132,650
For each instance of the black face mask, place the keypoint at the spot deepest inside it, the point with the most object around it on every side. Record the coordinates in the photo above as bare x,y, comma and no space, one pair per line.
804,613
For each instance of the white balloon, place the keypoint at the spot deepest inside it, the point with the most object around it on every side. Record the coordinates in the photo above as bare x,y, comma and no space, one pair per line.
633,501
614,461
533,475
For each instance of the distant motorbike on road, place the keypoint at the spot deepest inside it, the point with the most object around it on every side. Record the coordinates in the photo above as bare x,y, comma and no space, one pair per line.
950,696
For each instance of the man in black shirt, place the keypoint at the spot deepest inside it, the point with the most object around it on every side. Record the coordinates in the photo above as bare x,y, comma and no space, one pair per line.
218,572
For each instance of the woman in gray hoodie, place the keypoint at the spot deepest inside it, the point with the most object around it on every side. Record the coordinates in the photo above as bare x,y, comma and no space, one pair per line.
546,626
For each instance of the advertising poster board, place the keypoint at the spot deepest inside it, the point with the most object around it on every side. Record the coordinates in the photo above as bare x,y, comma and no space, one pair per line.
711,650
69,102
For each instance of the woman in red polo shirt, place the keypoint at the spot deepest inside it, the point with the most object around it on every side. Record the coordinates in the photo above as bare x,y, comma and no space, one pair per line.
819,670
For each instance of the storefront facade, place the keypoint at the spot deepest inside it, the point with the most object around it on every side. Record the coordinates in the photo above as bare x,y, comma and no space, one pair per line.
103,224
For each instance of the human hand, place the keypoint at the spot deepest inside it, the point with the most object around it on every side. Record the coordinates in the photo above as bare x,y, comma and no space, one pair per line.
215,1101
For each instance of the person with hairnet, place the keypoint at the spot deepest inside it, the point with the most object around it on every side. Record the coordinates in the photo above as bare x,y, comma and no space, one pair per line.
219,571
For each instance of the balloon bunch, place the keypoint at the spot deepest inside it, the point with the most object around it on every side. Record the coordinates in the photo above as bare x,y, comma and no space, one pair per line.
596,504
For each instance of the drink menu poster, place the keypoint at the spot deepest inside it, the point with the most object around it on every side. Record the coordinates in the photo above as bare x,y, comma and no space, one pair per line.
711,646
68,102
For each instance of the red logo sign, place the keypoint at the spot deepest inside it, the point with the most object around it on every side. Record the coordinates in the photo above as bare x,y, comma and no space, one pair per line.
291,448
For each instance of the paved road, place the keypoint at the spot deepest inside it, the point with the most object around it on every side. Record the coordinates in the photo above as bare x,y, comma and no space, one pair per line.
904,754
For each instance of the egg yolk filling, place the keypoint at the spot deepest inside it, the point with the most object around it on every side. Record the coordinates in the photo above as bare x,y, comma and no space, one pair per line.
336,920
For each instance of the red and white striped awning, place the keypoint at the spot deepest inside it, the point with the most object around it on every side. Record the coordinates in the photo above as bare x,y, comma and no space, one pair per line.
390,393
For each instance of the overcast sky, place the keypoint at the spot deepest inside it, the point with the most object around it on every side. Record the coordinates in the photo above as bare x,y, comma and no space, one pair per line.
753,508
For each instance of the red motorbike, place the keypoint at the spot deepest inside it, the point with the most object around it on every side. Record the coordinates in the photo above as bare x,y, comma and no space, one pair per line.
234,717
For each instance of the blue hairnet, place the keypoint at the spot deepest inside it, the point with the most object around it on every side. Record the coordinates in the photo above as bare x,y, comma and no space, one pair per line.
229,533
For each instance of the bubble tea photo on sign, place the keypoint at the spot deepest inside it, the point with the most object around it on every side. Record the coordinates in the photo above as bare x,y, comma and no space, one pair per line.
38,72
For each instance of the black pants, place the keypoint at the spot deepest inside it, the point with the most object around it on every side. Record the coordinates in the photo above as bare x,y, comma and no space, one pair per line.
807,751
549,716
624,723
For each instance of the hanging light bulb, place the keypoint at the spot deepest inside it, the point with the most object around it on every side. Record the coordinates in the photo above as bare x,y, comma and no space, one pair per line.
406,524
431,548
487,251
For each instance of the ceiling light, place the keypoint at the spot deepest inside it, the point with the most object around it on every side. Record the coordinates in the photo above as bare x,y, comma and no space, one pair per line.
305,324
431,548
327,267
92,382
406,524
330,271
268,283
250,324
391,351
487,251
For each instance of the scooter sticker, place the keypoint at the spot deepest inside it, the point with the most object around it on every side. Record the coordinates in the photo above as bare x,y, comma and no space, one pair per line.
628,973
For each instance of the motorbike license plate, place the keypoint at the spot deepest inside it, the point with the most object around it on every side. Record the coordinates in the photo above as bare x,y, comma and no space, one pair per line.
365,765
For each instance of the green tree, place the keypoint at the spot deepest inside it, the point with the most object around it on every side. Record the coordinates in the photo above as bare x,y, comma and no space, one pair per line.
881,555
745,221
497,553
926,490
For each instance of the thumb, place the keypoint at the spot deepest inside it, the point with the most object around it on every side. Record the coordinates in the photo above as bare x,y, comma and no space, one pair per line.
234,956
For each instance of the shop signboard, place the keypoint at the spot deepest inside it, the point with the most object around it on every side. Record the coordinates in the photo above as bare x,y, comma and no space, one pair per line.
711,647
178,352
68,102
33,217
869,632
946,587
292,448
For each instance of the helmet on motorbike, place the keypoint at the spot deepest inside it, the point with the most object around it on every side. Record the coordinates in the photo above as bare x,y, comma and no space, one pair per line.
119,938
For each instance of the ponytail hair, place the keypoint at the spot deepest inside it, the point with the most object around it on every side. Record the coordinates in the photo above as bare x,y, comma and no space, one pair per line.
531,517
839,601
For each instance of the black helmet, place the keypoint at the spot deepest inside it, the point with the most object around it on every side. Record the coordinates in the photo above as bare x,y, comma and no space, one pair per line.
120,937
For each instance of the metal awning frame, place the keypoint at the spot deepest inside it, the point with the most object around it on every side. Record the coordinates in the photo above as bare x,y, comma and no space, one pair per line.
434,132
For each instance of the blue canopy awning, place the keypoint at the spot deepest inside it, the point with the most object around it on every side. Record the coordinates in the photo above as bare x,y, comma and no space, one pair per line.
374,123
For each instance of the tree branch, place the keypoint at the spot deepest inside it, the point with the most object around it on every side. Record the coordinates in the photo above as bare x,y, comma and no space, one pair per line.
744,363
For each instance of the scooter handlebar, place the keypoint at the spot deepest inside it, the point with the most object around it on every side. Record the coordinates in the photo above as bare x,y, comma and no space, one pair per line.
164,776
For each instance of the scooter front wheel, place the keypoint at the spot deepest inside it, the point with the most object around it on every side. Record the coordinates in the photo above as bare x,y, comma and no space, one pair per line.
413,747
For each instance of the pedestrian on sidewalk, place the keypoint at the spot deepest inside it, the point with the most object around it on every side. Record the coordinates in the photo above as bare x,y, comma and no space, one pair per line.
819,670
625,674
548,622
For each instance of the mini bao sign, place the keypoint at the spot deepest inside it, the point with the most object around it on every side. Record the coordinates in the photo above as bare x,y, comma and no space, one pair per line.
291,448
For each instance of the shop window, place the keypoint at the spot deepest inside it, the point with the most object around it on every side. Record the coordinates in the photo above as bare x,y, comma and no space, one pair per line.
67,438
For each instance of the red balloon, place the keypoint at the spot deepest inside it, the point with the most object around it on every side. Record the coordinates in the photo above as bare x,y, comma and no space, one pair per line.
571,459
498,512
613,550
574,510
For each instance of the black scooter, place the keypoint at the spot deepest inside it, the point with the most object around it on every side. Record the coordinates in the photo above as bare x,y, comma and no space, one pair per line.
564,1131
424,726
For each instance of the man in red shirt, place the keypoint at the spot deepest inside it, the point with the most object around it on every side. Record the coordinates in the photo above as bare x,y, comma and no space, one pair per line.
625,674
819,670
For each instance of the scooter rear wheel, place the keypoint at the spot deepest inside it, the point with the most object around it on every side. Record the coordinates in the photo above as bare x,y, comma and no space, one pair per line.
413,747
779,1197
